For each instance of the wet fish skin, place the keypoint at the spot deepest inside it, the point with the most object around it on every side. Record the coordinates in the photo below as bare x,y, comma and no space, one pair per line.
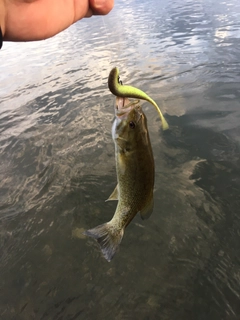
135,175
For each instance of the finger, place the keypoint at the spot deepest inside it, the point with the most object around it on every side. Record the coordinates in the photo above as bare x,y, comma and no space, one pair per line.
101,7
89,13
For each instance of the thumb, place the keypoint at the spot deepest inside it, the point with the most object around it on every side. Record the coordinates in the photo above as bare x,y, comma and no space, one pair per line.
101,7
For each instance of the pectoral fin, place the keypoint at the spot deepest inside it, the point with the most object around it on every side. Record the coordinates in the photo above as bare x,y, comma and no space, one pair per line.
147,210
114,195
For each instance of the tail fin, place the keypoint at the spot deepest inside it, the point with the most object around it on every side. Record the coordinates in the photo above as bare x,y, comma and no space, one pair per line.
108,238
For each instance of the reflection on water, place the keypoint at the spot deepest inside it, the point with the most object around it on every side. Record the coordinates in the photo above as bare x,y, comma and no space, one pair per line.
57,167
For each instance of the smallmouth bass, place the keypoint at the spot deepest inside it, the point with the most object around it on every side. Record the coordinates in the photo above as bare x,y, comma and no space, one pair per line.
135,175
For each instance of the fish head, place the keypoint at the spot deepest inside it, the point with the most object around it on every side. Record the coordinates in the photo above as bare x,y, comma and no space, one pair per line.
130,124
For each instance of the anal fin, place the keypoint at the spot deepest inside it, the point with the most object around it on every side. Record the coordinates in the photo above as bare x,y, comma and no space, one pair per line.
114,195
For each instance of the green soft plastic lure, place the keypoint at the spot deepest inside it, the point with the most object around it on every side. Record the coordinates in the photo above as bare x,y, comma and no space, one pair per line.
119,90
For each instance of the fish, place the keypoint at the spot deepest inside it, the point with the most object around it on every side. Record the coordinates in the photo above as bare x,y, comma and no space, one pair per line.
135,175
119,90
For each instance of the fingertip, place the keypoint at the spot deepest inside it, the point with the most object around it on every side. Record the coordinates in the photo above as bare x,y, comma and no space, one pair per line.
101,7
89,13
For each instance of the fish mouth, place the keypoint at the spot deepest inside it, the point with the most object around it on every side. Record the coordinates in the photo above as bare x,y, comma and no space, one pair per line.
124,106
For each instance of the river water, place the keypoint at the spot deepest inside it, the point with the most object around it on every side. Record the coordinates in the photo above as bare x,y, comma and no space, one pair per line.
57,167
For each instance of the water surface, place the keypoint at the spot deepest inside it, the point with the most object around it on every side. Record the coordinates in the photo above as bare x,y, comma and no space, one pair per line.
57,167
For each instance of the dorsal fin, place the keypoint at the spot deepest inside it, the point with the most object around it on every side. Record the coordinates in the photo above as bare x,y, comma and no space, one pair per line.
147,210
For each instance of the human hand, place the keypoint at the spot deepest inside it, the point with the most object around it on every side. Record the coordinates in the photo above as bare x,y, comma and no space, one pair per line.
26,20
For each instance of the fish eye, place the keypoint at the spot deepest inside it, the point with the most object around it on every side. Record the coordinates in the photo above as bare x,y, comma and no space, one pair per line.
132,124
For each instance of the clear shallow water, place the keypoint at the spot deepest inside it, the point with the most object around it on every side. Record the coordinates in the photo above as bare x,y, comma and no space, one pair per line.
57,167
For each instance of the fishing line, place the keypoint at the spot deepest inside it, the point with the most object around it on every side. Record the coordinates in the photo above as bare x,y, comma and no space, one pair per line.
128,91
108,41
113,47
